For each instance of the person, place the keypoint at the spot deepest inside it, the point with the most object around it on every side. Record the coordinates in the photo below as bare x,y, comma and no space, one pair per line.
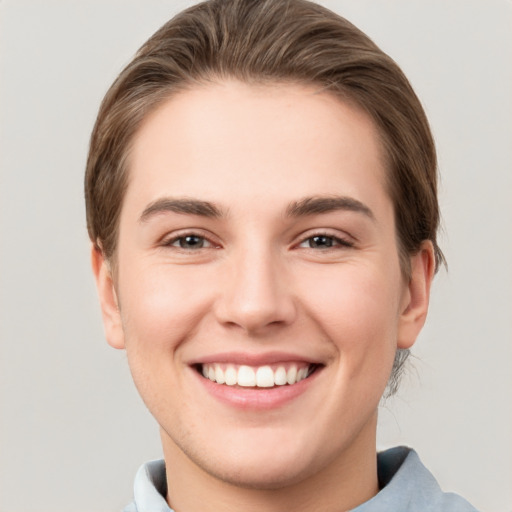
262,205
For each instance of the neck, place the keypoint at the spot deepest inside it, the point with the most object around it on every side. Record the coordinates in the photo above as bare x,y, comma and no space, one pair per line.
347,481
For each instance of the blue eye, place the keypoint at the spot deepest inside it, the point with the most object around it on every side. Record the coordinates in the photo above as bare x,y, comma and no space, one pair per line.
190,242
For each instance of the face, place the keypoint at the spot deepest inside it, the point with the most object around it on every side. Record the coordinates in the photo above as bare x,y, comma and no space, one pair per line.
258,291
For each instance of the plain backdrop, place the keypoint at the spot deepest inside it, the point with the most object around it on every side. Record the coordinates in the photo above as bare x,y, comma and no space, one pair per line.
72,428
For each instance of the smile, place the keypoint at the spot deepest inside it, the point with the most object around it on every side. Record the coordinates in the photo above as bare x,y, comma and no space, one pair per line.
267,376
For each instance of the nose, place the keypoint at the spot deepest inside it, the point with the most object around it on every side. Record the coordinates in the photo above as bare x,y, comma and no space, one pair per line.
254,294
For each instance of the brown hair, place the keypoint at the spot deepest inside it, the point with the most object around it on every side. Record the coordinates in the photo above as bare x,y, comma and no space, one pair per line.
274,41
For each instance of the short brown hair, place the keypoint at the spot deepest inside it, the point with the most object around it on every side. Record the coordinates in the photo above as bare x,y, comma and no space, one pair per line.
274,41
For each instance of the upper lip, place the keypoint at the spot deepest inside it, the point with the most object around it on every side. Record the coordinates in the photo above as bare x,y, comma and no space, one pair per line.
249,359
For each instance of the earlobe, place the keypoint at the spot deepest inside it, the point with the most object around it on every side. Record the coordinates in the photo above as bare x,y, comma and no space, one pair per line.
417,295
108,299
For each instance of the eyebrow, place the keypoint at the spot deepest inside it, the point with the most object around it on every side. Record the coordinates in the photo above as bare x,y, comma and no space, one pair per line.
306,206
186,206
325,204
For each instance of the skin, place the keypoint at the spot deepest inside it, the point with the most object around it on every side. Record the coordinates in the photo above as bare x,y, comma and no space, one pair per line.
256,282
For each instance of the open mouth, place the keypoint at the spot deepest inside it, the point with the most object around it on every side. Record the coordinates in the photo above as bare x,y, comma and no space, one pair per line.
267,376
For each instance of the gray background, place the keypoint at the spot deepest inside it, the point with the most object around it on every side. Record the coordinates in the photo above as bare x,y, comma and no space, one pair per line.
73,430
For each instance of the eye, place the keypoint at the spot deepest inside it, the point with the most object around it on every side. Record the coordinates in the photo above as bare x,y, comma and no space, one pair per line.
322,241
190,242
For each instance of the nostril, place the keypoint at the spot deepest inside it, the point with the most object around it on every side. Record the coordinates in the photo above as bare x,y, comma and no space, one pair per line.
253,316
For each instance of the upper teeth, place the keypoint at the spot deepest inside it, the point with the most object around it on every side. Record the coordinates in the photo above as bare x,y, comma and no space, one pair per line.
261,376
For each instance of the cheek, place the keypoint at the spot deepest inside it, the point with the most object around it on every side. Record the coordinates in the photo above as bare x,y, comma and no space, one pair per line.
355,297
161,305
161,308
357,307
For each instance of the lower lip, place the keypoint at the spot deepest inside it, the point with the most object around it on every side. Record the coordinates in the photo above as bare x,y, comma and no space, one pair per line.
257,398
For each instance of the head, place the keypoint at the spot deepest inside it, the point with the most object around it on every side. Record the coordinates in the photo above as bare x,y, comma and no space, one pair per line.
268,44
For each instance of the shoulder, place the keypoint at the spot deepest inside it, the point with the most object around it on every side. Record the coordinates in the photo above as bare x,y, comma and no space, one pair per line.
408,486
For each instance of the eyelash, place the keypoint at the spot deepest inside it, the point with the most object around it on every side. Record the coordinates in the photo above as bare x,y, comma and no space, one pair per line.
332,242
335,241
181,238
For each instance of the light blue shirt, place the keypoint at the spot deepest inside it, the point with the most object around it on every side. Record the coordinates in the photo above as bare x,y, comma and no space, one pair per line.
406,486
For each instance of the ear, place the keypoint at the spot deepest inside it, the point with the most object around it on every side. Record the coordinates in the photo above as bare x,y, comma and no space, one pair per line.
416,296
108,299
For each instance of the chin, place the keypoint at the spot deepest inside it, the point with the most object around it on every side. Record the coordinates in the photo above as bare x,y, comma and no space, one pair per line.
263,460
271,475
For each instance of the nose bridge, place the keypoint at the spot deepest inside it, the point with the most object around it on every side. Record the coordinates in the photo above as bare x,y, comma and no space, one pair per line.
256,294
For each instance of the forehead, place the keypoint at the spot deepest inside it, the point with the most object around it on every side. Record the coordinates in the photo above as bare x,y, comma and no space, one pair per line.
229,141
